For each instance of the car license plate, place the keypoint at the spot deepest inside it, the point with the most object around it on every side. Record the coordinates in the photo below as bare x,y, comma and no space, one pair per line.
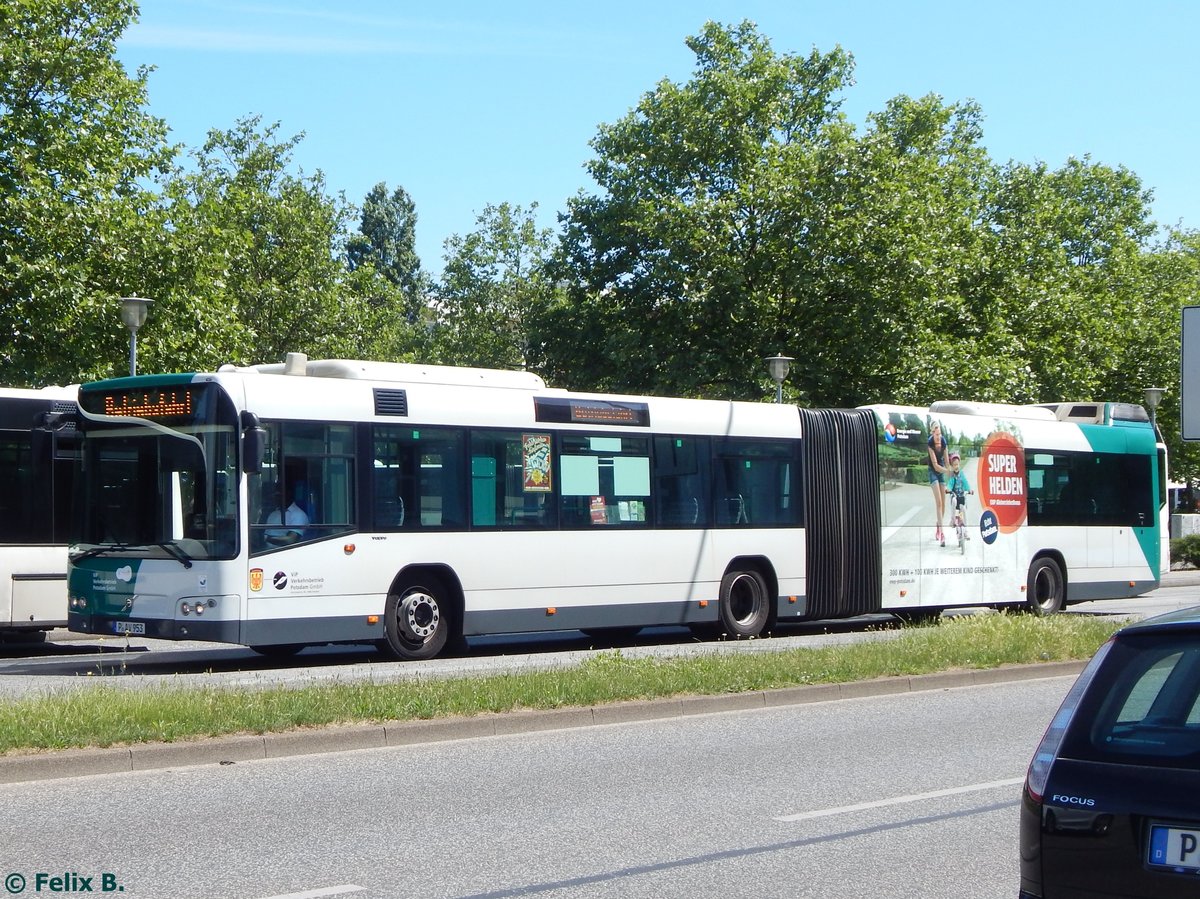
1177,848
129,627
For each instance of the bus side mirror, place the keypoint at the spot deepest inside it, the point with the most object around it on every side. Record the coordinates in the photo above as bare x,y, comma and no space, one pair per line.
254,442
42,435
41,444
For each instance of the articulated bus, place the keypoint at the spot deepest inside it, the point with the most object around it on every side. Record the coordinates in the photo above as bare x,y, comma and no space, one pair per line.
411,507
37,470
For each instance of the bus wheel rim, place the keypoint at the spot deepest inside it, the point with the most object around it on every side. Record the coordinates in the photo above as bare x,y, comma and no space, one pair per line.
745,599
419,615
1045,588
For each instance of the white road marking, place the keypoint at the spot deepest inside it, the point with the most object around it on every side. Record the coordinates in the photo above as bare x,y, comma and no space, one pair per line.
318,894
901,800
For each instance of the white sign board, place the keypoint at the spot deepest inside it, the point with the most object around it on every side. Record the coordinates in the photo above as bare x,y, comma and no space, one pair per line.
1189,374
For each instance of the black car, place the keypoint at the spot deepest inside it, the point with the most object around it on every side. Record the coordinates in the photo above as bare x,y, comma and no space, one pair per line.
1111,805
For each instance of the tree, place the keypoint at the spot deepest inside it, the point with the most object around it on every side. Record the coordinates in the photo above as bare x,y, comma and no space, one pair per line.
883,280
76,151
1171,280
739,214
386,239
673,272
493,287
1065,258
257,260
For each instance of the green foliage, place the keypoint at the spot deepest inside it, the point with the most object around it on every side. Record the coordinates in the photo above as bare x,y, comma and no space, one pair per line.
494,290
736,214
101,716
673,275
1185,551
386,240
244,258
75,150
256,254
739,214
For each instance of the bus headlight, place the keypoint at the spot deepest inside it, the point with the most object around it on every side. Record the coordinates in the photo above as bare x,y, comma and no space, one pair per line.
199,606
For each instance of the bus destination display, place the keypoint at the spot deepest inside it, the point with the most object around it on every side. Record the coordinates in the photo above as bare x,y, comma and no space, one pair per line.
147,402
591,411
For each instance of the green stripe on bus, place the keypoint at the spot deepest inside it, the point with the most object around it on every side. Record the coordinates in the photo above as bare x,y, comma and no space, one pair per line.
1107,439
139,381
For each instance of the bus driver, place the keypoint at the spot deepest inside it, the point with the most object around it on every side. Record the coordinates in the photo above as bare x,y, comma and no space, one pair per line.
293,520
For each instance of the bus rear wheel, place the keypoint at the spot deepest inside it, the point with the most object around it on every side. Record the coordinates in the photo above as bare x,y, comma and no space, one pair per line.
745,606
1047,588
417,621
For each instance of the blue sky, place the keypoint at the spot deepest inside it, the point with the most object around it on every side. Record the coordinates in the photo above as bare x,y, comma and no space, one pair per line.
470,103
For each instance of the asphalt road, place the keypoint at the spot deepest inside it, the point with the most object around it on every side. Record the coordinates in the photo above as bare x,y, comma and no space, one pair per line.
891,796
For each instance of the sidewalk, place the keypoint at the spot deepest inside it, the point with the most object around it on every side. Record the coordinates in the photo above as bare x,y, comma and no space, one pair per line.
1182,577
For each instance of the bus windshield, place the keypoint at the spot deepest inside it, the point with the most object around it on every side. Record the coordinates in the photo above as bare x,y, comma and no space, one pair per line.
159,474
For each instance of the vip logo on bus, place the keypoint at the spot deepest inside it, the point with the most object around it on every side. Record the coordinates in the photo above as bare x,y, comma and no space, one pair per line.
280,580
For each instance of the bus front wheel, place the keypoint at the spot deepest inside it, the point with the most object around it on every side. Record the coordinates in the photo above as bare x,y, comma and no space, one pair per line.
417,621
744,605
1047,587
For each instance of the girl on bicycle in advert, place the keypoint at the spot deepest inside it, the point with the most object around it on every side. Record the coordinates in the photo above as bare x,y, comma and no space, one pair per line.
958,487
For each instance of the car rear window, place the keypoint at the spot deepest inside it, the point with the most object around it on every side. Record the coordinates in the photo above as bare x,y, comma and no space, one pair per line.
1143,707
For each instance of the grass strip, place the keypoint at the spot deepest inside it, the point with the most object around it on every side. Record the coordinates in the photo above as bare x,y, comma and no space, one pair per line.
106,716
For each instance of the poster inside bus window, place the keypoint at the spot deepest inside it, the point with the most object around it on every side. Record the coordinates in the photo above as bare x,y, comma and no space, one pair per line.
536,463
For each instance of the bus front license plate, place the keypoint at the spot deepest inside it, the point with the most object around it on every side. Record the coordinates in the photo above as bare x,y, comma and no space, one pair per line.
128,627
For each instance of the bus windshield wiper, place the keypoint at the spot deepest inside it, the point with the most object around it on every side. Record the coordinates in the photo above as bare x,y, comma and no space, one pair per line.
173,549
99,551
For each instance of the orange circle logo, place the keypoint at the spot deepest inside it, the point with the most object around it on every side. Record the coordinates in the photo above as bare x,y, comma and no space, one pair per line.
1002,480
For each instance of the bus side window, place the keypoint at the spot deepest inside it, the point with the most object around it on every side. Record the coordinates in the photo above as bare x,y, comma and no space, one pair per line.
681,476
512,480
415,480
605,480
755,482
308,465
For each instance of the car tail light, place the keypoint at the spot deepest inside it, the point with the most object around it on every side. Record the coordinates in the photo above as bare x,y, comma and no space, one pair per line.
1047,751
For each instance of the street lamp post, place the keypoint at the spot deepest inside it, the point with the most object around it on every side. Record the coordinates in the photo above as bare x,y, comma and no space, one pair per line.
1153,397
779,366
133,313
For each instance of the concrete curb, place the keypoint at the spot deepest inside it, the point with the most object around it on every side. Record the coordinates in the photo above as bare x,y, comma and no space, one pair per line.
1181,577
244,748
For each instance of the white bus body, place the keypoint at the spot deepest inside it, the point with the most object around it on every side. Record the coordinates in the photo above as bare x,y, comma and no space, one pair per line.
415,505
36,470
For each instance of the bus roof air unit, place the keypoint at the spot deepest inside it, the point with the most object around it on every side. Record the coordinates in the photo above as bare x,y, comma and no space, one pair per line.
403,372
992,410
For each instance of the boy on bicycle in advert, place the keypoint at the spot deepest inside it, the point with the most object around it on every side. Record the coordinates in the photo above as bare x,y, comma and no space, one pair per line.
958,487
